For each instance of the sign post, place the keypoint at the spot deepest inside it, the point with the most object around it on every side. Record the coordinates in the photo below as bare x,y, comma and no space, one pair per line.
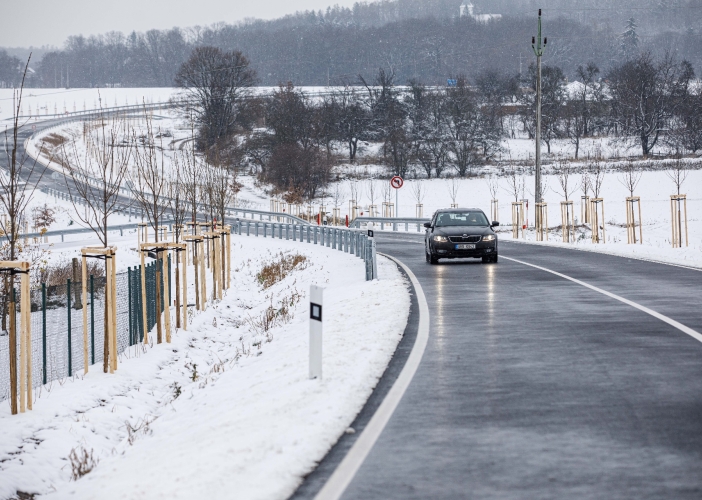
316,302
397,182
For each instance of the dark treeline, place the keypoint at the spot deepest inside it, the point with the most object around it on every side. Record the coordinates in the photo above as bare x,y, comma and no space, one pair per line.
293,139
424,40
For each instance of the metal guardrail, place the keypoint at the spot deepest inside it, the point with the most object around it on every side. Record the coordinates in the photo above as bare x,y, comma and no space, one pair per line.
393,222
76,115
233,212
264,216
347,240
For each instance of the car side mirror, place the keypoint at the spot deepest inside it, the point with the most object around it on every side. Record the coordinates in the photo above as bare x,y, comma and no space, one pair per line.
494,224
427,225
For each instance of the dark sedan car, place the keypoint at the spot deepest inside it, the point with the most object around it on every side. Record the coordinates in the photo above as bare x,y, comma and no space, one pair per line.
460,233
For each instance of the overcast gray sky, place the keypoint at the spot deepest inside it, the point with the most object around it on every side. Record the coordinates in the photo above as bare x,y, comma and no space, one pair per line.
50,22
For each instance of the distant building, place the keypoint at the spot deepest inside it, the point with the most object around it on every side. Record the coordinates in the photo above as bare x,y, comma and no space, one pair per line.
468,9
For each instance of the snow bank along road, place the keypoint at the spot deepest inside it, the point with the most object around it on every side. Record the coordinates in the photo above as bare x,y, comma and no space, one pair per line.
536,386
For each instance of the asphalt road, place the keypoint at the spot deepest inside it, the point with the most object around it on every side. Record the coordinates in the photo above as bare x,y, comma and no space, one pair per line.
533,386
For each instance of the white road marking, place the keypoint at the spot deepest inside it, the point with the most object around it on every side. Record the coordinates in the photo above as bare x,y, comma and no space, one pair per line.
594,250
675,324
346,470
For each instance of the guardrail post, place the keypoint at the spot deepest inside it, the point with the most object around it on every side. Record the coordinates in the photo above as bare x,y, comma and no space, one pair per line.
374,260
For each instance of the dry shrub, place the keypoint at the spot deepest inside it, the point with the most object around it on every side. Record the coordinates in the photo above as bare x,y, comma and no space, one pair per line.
274,316
82,462
55,139
59,273
279,269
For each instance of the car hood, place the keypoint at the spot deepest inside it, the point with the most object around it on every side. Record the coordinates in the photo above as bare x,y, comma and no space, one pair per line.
461,230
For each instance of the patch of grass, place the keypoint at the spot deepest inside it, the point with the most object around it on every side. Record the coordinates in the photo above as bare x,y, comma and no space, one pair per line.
280,268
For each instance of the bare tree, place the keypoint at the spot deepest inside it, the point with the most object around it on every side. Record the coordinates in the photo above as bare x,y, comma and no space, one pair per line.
371,188
646,94
630,177
192,172
94,177
178,206
452,186
18,183
356,190
150,188
338,194
515,182
677,173
222,188
564,171
214,86
418,191
596,176
493,183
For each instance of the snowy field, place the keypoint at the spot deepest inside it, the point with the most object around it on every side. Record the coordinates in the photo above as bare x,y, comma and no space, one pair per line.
227,392
654,188
42,102
38,103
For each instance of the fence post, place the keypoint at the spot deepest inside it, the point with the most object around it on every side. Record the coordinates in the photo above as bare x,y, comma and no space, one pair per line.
92,319
43,331
170,299
68,307
129,303
139,306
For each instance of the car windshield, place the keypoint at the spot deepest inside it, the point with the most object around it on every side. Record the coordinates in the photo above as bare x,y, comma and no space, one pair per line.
461,219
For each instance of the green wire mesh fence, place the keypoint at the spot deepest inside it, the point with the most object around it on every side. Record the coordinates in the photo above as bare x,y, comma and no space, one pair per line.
57,324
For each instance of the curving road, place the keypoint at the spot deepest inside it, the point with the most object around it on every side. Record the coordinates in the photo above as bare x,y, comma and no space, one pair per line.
533,385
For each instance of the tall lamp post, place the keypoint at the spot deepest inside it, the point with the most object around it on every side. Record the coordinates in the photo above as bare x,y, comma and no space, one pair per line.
538,44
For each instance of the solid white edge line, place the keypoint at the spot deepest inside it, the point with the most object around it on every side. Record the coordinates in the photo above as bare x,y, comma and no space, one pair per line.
346,470
602,252
675,324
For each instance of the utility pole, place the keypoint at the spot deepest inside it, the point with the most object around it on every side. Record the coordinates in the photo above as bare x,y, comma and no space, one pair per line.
538,46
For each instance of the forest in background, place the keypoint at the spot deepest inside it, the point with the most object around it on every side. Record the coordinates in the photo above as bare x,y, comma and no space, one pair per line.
424,40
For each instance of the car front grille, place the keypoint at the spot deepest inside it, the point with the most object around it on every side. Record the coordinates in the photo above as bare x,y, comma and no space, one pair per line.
461,239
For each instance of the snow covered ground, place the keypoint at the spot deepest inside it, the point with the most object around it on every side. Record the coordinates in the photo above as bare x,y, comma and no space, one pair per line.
654,189
226,410
42,102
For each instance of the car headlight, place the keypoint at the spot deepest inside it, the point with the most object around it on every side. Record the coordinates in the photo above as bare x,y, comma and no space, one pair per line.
440,238
489,237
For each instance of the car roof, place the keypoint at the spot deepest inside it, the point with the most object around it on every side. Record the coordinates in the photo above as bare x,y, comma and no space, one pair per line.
454,210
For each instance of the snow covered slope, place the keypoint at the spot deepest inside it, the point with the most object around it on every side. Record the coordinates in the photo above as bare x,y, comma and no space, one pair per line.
226,410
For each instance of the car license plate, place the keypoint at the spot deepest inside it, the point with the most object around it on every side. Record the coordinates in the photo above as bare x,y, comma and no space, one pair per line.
465,246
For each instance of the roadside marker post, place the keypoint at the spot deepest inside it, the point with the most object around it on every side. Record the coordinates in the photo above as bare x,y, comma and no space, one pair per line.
397,182
316,303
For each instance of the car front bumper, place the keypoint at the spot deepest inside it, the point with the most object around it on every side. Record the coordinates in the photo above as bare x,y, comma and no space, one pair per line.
448,250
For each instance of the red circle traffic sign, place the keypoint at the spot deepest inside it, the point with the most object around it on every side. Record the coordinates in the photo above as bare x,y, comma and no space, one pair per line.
397,182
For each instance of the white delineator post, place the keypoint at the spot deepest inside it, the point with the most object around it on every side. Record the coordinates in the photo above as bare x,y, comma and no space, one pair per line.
316,302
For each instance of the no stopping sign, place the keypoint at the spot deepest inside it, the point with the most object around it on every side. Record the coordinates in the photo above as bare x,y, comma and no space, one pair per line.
397,182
